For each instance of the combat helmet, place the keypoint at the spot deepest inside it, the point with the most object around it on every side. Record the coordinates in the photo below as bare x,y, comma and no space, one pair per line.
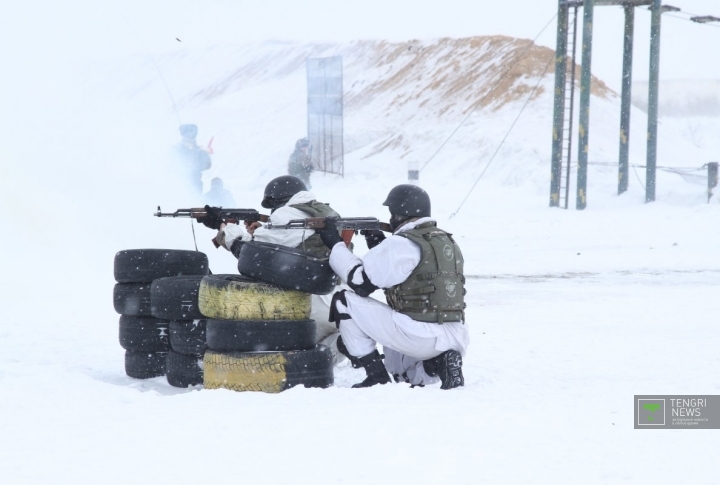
279,190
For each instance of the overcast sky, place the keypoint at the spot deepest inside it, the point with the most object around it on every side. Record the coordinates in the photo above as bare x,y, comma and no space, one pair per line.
40,38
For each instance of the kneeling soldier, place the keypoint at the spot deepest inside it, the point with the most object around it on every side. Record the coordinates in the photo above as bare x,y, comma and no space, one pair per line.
420,267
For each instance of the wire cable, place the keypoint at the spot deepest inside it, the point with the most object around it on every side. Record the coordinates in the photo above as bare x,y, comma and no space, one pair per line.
709,24
193,231
638,177
660,167
522,56
157,68
527,101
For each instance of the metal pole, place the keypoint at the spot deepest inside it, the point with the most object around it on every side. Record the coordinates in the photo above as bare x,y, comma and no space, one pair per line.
325,115
342,118
653,93
585,86
572,108
559,103
624,162
712,178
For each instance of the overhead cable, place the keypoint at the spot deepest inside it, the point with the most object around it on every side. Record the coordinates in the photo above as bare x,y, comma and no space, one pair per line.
527,101
157,68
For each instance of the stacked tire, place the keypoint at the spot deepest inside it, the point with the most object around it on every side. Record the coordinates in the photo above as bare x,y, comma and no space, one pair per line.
260,337
175,299
145,337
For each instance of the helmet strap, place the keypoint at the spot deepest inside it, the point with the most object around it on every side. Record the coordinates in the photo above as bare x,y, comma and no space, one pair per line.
277,203
397,220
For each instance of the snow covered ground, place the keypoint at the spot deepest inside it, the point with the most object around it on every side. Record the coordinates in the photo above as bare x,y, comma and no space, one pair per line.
571,313
554,363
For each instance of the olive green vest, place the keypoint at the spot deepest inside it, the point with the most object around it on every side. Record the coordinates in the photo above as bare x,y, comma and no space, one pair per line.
435,290
314,245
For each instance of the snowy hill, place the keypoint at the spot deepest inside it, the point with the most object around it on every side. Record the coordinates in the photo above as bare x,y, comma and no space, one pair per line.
402,101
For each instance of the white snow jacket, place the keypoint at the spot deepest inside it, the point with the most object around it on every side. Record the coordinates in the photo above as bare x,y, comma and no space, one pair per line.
284,237
388,264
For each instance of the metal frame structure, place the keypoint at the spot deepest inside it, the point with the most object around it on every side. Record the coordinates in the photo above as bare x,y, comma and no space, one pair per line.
560,112
325,113
562,141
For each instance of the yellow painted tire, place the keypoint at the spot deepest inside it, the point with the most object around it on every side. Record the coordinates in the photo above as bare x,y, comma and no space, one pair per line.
270,372
232,297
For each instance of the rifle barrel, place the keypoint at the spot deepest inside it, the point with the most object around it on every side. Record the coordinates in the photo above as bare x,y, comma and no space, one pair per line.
344,223
230,215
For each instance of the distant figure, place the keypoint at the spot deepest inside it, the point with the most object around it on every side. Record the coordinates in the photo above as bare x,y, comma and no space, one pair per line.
192,159
219,196
300,164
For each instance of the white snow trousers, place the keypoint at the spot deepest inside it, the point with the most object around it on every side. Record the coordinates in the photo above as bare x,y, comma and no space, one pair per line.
406,342
327,332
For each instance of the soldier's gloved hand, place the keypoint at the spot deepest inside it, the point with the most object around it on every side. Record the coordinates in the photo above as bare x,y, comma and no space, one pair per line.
330,236
212,219
373,237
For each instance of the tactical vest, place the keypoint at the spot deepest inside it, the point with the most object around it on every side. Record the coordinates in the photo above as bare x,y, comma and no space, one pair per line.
435,290
314,245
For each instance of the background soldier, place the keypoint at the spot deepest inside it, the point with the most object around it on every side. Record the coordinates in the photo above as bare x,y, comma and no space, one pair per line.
300,163
218,195
192,159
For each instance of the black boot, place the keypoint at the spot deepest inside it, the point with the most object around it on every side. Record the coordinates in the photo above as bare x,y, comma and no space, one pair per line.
448,366
376,373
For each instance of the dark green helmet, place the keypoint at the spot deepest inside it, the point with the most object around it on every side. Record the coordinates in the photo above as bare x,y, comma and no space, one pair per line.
280,189
409,201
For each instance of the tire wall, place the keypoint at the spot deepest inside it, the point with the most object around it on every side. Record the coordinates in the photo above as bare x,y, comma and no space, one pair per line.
237,300
270,372
245,372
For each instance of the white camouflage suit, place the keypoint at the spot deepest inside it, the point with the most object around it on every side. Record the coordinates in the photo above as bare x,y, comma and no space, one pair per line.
327,333
406,342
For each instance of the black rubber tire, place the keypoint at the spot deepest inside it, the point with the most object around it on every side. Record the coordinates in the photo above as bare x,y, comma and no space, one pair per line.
260,335
268,371
183,370
132,299
188,336
144,334
286,267
176,298
236,297
145,365
146,265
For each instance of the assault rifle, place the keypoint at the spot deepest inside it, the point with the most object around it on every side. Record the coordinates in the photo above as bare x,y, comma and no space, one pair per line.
354,224
348,226
232,216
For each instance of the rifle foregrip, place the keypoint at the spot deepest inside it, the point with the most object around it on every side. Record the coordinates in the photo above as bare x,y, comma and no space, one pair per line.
315,223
